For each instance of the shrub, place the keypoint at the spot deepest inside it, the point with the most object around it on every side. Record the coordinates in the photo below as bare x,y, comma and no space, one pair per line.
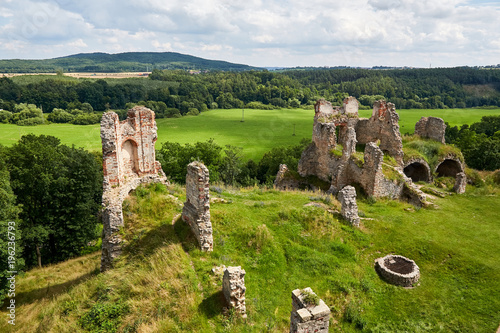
31,122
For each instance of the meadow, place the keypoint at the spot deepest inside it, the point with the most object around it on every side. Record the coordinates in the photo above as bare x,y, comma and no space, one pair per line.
164,283
260,131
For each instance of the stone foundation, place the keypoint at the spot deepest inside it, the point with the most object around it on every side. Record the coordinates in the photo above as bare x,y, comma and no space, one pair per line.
305,317
398,270
233,288
347,197
196,211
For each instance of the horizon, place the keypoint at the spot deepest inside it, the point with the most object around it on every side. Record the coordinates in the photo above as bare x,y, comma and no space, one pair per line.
362,33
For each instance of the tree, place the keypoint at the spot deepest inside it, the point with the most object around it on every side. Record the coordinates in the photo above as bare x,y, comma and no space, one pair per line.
60,190
8,218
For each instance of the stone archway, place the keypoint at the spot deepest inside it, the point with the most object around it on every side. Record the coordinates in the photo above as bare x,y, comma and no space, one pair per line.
129,157
418,170
449,168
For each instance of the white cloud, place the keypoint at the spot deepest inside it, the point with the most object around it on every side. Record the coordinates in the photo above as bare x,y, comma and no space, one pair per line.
260,33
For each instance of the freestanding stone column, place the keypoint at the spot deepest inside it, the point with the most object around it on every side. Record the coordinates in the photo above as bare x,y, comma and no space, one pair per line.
233,287
196,211
347,197
306,316
460,183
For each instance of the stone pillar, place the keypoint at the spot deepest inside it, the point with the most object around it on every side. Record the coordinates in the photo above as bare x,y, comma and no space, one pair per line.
349,143
233,287
307,317
460,183
196,211
347,197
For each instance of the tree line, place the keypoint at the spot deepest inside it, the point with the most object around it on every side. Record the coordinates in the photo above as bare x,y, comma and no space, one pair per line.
175,93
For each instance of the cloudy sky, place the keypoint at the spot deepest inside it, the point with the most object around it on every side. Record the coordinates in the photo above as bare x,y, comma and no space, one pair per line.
422,33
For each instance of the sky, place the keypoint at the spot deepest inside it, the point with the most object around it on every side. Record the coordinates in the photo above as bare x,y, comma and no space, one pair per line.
271,33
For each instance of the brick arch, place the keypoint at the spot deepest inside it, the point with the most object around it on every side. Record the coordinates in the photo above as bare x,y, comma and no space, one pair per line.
418,170
449,167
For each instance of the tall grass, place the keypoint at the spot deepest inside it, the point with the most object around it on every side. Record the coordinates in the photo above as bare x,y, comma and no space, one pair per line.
164,283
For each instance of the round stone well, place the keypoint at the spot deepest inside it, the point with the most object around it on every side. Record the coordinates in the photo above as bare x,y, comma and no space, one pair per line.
398,270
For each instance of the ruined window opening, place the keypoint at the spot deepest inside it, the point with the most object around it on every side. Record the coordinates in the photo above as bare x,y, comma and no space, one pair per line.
448,168
130,161
417,172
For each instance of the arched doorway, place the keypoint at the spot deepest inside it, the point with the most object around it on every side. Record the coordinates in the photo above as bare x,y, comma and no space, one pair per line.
449,168
129,157
418,171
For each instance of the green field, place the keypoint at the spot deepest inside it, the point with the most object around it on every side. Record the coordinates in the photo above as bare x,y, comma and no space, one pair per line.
164,283
261,130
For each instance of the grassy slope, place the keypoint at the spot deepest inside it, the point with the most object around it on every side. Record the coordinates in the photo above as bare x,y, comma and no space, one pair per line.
261,131
165,283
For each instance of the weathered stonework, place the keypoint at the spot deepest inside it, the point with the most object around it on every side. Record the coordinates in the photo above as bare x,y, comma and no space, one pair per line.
233,288
380,135
398,270
460,183
196,211
432,128
418,170
347,198
306,318
128,161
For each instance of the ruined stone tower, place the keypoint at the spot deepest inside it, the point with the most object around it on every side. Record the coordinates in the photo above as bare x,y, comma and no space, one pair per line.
128,149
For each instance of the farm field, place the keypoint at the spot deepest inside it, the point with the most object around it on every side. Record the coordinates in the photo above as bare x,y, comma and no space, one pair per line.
261,130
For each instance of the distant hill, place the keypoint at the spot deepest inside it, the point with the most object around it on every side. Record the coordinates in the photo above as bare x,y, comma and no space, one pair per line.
121,62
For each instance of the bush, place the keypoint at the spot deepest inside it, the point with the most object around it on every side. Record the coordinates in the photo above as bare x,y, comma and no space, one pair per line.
31,122
60,116
86,119
192,112
5,117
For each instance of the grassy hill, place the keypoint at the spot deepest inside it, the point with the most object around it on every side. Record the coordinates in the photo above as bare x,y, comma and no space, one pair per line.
121,62
261,131
164,283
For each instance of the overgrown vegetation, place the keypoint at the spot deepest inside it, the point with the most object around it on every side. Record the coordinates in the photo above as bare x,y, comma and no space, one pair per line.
479,142
164,283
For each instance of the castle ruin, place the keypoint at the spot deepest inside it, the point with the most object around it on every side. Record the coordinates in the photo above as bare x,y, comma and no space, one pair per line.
128,149
349,150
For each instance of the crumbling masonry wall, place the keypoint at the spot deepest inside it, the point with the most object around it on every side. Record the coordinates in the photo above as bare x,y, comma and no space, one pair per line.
196,211
349,210
233,288
128,161
432,128
380,134
305,317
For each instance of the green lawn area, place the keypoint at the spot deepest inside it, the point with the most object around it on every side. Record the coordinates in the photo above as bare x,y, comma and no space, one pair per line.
261,130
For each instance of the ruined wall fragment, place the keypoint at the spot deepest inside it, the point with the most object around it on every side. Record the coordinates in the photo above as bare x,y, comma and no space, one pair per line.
233,288
460,183
196,211
432,128
383,126
347,198
306,317
128,161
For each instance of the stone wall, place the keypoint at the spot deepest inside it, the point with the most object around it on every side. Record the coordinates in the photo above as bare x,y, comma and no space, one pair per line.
347,198
196,211
233,288
432,128
305,317
380,133
460,183
128,161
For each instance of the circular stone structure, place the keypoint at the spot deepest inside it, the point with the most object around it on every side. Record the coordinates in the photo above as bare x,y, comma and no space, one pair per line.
398,270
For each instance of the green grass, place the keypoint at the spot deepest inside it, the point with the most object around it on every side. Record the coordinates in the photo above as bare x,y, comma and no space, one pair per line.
261,130
164,283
